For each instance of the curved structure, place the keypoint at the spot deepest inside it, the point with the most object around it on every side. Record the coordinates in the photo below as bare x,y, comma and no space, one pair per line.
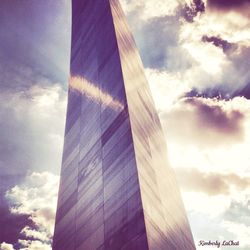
117,190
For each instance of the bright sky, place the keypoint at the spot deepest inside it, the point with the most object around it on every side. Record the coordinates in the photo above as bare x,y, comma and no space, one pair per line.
196,57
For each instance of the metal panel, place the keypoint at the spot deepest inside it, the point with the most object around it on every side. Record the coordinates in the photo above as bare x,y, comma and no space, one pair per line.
117,190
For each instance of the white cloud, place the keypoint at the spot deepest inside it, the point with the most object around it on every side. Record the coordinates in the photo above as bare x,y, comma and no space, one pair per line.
205,135
209,206
36,197
211,67
35,234
200,64
32,126
34,245
232,26
166,87
241,231
177,46
209,61
216,148
207,149
217,153
150,8
212,148
49,103
209,221
6,246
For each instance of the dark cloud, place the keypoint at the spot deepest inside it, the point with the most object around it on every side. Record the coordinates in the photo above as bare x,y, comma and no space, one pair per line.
30,217
222,6
210,183
218,42
11,224
227,4
214,117
204,123
189,12
215,92
239,212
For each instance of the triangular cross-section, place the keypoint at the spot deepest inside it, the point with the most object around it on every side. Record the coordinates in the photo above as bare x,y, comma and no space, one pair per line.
117,190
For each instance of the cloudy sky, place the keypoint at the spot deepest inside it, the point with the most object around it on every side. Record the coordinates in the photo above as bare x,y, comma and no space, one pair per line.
196,57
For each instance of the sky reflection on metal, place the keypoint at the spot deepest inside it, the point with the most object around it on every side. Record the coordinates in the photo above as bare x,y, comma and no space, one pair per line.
93,92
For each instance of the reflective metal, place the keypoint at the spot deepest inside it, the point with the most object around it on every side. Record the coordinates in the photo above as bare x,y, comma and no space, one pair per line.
117,190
